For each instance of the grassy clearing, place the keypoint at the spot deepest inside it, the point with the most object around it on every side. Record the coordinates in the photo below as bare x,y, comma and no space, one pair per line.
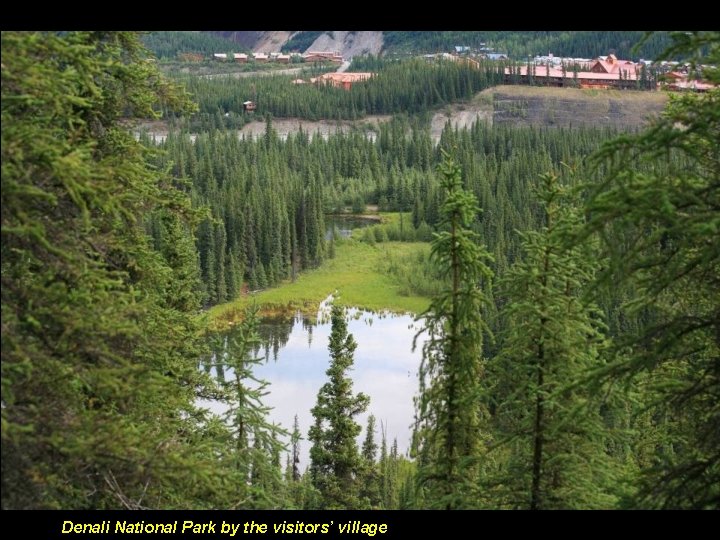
355,272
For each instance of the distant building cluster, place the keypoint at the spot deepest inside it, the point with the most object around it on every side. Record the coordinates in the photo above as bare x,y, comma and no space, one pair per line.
602,73
242,58
483,51
680,80
309,57
320,56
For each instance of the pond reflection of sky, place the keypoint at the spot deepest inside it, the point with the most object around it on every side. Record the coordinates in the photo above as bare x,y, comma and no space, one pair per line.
385,368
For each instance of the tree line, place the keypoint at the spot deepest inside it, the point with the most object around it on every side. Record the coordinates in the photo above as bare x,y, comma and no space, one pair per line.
519,45
575,366
410,86
170,44
266,198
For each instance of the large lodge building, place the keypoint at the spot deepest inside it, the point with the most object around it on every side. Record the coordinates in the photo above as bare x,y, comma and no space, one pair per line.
604,72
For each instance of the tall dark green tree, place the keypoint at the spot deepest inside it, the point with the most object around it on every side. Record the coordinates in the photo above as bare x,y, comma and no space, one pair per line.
370,488
547,420
253,446
335,463
451,426
656,208
295,457
99,340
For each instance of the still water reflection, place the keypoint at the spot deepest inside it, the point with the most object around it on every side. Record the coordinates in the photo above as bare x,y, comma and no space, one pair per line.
343,225
296,358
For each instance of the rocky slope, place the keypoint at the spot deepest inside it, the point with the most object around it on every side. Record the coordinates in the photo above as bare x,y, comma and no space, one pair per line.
349,44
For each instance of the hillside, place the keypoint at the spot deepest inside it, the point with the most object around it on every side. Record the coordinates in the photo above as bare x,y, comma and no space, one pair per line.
349,44
510,105
169,44
566,107
521,44
586,44
245,38
271,41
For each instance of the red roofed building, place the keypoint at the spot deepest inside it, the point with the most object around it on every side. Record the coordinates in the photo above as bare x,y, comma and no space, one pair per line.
612,66
678,81
342,80
605,72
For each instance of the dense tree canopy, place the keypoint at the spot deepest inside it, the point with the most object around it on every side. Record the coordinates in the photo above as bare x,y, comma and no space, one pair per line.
98,335
659,227
599,284
452,412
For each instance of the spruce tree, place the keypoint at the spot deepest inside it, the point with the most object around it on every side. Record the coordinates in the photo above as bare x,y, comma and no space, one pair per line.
99,339
546,417
370,492
656,208
451,422
295,458
254,440
335,462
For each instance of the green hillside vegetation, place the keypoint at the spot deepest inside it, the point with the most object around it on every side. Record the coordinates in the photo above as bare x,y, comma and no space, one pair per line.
357,273
406,87
520,45
300,41
168,44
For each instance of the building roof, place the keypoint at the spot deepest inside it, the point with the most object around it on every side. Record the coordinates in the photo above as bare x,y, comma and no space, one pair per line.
610,64
324,54
676,75
337,79
692,85
346,76
543,71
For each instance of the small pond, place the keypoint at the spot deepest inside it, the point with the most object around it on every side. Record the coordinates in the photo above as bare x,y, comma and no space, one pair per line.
296,358
344,225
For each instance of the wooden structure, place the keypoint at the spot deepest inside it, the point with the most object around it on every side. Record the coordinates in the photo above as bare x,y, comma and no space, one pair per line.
605,72
322,56
341,80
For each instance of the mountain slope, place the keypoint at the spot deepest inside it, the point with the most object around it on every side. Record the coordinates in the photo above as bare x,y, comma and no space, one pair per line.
518,45
349,44
272,41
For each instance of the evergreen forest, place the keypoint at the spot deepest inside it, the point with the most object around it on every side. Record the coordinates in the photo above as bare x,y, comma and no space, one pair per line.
570,278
